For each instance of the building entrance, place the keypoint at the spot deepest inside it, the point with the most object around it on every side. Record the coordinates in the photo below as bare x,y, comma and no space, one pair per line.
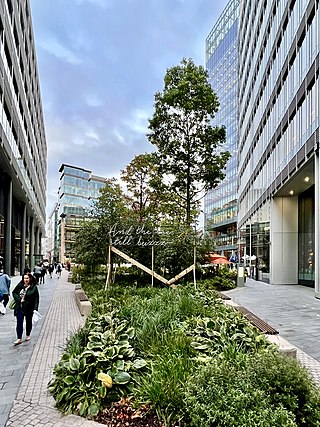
306,242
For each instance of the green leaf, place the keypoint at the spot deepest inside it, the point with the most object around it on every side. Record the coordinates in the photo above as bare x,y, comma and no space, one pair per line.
69,379
93,344
83,407
130,332
74,364
102,391
123,337
120,365
122,377
139,363
93,409
83,363
200,346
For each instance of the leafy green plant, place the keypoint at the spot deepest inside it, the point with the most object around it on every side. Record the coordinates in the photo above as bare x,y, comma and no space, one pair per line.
184,353
163,384
266,390
77,387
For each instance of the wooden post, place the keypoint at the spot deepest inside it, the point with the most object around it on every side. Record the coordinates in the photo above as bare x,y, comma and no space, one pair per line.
109,275
152,265
194,266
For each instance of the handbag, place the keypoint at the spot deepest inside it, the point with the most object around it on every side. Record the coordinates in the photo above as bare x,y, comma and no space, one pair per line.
36,317
12,304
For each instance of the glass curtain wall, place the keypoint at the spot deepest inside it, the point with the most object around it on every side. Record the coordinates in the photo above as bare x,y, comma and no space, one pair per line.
278,125
220,204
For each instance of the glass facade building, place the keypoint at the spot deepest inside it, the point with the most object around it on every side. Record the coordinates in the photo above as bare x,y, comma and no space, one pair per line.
23,148
77,191
278,160
220,204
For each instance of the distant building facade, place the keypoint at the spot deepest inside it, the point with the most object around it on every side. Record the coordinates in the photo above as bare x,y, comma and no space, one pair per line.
77,191
23,148
279,167
220,204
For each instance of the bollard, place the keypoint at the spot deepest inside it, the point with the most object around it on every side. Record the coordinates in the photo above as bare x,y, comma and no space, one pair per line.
240,276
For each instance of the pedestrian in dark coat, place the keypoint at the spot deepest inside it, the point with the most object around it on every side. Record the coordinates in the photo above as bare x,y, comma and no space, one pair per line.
43,273
26,296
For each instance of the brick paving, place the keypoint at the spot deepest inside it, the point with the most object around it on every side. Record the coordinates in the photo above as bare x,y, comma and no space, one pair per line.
33,404
26,370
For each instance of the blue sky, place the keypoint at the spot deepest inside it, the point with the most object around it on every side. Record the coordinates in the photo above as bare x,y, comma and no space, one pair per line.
100,63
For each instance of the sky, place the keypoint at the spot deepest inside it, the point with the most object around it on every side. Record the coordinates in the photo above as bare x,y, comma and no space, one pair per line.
100,63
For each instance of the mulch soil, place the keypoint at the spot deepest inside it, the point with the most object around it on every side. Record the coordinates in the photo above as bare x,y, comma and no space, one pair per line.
122,414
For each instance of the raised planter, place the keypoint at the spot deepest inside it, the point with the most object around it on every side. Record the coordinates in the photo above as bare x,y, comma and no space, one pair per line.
82,301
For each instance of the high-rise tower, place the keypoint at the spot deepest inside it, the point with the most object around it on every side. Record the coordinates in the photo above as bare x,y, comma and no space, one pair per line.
220,204
279,168
23,149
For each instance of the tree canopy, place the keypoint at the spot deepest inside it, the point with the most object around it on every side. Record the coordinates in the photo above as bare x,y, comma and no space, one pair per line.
190,156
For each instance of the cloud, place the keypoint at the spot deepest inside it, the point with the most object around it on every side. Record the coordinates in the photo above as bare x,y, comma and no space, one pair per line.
100,64
138,121
53,47
101,3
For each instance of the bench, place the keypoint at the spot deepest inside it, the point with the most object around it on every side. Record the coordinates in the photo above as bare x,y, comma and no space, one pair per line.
272,335
264,327
82,301
223,296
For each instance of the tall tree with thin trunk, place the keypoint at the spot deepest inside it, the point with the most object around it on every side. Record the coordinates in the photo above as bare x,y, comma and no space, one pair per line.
190,153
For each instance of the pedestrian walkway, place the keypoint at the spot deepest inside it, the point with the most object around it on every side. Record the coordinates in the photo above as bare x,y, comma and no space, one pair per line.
292,310
27,369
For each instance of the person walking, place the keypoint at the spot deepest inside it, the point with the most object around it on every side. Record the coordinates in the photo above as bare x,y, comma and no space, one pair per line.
26,296
50,270
58,270
37,272
5,283
43,273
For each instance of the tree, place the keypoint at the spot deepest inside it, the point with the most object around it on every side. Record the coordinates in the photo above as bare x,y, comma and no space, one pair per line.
190,156
138,176
146,194
109,211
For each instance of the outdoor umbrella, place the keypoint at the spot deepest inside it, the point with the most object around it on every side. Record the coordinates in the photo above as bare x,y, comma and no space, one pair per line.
216,256
220,261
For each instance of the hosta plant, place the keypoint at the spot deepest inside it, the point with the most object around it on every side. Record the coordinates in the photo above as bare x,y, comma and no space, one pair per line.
101,373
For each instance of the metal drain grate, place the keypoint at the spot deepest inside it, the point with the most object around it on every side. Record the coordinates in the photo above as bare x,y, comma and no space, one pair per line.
256,321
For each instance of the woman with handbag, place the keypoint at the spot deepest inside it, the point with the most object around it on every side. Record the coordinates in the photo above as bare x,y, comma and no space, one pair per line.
26,297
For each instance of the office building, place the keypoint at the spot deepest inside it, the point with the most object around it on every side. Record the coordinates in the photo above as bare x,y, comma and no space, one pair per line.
279,169
78,189
23,149
220,204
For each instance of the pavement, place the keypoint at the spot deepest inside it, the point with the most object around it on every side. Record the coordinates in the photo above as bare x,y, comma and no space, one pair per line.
292,310
25,370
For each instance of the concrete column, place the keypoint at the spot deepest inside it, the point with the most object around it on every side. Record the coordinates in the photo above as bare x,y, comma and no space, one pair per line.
31,243
36,240
284,240
317,225
8,268
23,239
62,238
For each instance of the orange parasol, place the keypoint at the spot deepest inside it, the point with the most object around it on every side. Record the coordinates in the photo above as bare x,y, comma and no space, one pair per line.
216,256
222,260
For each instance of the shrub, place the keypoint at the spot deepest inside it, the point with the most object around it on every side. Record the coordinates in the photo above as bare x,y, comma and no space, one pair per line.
266,390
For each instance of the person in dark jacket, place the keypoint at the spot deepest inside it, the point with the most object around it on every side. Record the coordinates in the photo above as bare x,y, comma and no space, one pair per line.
26,298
